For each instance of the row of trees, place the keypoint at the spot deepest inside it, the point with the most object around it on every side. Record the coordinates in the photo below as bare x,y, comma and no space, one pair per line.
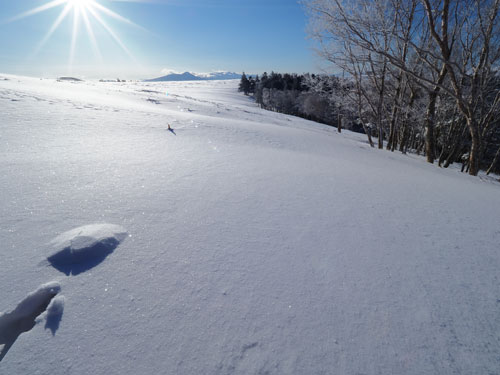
311,96
420,74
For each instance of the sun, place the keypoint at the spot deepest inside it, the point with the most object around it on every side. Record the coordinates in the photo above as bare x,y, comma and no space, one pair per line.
80,3
85,12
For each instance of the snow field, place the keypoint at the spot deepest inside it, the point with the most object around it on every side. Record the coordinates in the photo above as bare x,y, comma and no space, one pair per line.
259,243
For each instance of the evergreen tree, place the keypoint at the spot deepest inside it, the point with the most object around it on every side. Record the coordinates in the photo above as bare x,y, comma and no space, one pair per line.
244,84
252,85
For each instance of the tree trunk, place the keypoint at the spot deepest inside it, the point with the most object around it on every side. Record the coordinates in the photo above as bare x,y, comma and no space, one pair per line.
404,138
394,114
406,131
429,129
419,145
430,117
395,140
475,149
449,142
380,106
368,133
456,147
339,123
494,162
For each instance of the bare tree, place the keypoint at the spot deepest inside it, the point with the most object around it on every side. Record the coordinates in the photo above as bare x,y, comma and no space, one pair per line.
451,50
476,34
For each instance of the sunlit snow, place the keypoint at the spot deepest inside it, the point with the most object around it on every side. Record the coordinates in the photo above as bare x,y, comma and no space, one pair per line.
258,243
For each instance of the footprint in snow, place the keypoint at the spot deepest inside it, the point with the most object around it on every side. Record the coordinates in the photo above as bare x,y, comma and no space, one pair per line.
23,317
76,251
54,314
83,248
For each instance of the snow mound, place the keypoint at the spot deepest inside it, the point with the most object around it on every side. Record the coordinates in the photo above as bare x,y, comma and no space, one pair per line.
82,238
22,318
83,248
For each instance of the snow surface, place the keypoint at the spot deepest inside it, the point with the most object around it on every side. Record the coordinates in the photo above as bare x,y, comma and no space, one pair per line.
259,243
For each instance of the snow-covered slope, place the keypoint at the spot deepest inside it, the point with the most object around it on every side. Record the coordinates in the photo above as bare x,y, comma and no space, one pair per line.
258,243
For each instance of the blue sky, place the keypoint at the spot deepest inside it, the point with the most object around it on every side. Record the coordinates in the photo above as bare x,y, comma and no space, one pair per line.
177,35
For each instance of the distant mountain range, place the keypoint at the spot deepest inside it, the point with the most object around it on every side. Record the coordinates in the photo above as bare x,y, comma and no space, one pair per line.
187,76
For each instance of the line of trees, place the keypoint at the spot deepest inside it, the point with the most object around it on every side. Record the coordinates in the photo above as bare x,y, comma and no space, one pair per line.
421,74
311,96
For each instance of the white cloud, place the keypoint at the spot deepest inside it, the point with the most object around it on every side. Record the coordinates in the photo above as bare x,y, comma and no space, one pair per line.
167,71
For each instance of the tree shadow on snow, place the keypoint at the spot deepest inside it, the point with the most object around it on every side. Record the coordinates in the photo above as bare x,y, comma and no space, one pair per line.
76,262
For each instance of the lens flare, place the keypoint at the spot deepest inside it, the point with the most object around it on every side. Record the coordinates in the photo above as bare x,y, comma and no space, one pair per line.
80,3
84,12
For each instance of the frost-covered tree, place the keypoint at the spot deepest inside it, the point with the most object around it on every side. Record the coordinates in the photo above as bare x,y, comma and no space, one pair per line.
448,49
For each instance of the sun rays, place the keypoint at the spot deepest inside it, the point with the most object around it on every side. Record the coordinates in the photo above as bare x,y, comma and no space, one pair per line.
85,14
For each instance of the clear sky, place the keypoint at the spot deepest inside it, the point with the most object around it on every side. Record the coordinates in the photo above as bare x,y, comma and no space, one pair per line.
153,37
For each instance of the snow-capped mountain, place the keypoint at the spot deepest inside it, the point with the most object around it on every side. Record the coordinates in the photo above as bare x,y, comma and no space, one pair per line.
188,76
